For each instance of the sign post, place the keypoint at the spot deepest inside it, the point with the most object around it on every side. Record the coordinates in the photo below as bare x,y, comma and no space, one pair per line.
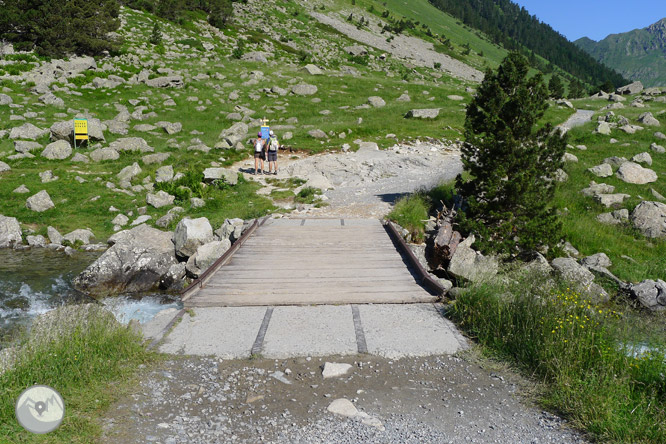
265,129
80,130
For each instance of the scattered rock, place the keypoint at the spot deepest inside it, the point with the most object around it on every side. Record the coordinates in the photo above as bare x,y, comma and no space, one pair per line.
632,88
603,170
313,70
101,154
343,407
304,89
54,236
10,232
642,158
317,134
650,219
376,101
166,82
229,176
40,202
471,265
335,370
631,172
596,260
190,234
80,236
205,256
4,167
614,218
651,294
431,113
581,277
611,200
648,119
657,148
27,131
58,150
159,199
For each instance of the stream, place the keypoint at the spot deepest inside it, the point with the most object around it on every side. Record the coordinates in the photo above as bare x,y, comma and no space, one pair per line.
38,280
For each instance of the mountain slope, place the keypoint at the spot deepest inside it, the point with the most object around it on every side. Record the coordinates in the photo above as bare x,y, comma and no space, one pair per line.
508,24
639,54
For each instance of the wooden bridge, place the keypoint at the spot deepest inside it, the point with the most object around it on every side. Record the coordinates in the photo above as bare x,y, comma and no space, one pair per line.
313,262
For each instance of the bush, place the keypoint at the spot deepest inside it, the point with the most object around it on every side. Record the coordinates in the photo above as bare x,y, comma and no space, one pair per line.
190,185
586,360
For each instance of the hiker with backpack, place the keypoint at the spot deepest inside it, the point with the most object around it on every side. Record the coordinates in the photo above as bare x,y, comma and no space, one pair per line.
272,146
259,153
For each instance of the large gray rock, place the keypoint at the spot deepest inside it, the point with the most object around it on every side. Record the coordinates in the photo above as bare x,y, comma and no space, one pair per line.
155,158
159,199
611,200
428,113
313,70
27,131
4,167
229,176
166,82
10,232
651,294
596,260
471,265
650,219
101,154
614,218
128,173
190,234
597,188
163,174
132,144
603,128
376,101
40,202
5,100
235,133
304,89
205,256
231,229
657,148
631,172
136,262
81,236
642,158
58,150
632,88
580,277
648,119
317,134
174,278
603,170
54,236
24,146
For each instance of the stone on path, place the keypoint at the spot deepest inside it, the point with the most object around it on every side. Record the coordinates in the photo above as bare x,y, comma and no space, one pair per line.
343,407
650,219
40,202
631,172
335,370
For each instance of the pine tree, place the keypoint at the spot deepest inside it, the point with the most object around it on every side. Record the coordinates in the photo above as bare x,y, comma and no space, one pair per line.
511,164
556,87
156,36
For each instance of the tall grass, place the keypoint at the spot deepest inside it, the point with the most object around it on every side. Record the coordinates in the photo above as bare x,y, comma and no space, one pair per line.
88,361
412,212
583,354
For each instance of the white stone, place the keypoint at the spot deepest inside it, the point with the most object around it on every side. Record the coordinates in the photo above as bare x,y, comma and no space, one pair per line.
335,370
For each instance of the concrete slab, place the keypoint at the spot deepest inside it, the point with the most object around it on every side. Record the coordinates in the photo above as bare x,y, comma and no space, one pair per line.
226,332
153,328
310,331
396,331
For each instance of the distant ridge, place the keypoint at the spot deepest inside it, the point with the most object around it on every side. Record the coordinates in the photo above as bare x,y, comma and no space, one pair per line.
639,54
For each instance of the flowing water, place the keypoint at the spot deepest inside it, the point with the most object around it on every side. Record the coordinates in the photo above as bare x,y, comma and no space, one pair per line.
38,280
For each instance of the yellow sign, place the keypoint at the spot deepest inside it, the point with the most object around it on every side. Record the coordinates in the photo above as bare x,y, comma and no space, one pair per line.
81,129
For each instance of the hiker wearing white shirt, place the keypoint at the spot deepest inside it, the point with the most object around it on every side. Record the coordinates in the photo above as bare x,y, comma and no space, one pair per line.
259,153
273,146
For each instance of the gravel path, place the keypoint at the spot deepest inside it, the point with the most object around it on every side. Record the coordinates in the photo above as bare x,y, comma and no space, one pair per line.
407,48
367,182
581,117
445,399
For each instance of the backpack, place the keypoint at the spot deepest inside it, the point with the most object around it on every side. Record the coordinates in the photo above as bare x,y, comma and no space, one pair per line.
274,145
258,146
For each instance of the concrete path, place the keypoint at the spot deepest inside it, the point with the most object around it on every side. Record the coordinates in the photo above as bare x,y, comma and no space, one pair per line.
391,331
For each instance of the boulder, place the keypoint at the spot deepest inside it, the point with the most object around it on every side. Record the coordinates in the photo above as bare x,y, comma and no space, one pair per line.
166,82
255,56
650,219
4,167
428,113
632,88
5,100
171,216
101,154
174,278
597,188
313,69
40,202
657,148
615,161
205,256
614,218
54,236
471,265
36,241
404,98
304,89
65,130
164,174
155,158
651,294
231,229
235,133
376,101
642,158
596,260
128,173
24,146
603,170
159,199
317,134
10,232
27,131
648,119
603,128
132,144
631,172
611,200
82,236
580,277
136,262
568,157
190,234
229,176
58,150
356,50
